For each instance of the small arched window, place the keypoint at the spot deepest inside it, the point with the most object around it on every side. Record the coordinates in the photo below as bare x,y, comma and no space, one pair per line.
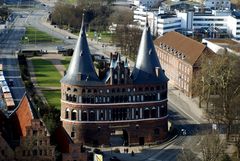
74,114
68,88
92,116
84,116
153,112
146,113
74,98
67,113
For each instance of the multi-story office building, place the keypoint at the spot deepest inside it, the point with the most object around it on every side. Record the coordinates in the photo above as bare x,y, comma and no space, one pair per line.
159,21
133,104
224,21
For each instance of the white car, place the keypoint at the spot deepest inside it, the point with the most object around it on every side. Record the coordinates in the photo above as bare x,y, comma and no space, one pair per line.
184,132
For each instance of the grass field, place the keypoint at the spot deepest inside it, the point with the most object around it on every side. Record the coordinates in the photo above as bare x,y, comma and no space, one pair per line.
105,36
53,98
46,74
33,35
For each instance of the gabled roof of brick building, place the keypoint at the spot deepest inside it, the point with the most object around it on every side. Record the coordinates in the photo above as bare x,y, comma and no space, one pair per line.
191,49
81,70
147,61
23,116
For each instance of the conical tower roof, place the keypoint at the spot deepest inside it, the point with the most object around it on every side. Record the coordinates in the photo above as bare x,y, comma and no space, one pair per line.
81,69
147,61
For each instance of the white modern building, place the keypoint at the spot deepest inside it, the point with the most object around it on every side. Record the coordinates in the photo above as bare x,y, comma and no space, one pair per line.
159,21
141,13
223,20
166,23
217,19
234,25
217,4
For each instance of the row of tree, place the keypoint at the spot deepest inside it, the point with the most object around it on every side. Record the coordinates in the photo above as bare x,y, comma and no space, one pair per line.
96,15
99,15
128,39
218,86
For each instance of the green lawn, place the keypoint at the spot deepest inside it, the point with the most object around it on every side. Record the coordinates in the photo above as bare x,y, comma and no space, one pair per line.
66,61
46,74
32,35
53,98
106,37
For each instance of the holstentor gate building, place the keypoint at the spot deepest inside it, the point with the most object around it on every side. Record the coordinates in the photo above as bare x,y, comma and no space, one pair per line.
94,108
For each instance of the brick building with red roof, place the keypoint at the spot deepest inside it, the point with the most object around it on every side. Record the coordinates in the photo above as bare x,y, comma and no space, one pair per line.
24,135
180,58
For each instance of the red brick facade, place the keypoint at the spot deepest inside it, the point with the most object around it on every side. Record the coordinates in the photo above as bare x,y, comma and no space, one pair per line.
96,109
179,56
91,114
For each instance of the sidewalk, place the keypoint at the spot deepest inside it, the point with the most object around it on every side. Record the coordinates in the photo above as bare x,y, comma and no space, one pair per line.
187,105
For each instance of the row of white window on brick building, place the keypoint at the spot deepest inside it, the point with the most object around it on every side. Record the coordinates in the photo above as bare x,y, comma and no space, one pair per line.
107,99
106,114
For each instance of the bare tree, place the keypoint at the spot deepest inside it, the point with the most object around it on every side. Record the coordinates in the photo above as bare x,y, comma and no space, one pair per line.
128,39
218,83
121,16
212,147
187,155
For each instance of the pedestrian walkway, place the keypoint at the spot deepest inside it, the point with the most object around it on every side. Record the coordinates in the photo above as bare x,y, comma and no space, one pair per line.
187,105
34,81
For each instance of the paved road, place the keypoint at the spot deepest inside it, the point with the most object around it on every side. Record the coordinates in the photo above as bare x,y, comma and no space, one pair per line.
9,42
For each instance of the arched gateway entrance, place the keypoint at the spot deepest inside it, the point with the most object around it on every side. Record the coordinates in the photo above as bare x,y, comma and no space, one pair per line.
119,137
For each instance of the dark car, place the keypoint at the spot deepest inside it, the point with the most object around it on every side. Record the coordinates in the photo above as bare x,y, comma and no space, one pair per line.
114,158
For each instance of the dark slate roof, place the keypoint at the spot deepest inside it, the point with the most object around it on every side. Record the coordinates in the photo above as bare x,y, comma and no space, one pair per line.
147,61
81,69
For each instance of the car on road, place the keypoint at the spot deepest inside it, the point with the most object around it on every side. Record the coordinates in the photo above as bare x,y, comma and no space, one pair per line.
68,37
114,158
184,132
